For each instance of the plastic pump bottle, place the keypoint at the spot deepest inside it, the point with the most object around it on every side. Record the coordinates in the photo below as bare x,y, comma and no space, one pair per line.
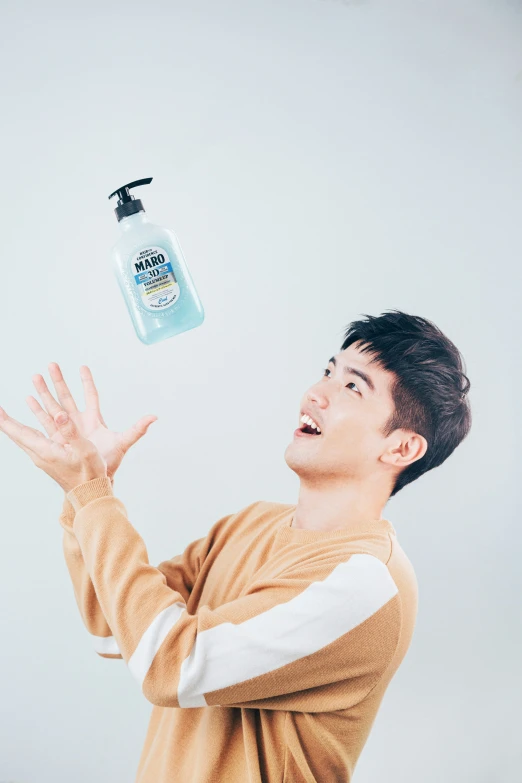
152,274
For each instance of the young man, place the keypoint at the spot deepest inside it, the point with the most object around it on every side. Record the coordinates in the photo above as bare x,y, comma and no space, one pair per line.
267,646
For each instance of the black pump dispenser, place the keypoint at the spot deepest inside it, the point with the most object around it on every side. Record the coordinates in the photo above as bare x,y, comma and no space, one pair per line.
127,204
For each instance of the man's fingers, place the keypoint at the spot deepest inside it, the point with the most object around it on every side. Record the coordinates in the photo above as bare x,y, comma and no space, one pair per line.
92,400
42,416
48,400
62,390
26,437
4,417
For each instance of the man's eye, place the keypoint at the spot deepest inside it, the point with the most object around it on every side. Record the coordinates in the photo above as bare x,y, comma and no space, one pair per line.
348,384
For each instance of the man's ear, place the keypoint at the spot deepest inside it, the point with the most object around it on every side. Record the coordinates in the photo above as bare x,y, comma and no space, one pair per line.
405,448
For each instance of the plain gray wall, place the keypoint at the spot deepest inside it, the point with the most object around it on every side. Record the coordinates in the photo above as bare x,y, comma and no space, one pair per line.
317,160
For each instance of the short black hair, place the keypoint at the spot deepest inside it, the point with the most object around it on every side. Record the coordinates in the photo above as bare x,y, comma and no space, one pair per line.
430,387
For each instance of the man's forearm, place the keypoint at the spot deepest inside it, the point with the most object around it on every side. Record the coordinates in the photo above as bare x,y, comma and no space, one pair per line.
84,592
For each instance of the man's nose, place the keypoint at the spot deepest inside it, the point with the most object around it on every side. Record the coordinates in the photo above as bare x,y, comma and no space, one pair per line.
316,397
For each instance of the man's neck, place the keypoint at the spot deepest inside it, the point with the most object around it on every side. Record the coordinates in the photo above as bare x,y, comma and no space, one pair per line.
330,506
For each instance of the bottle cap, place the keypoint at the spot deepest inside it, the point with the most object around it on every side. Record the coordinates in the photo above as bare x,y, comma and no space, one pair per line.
127,204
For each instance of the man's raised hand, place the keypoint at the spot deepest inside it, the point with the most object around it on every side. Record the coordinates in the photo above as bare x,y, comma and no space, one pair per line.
111,445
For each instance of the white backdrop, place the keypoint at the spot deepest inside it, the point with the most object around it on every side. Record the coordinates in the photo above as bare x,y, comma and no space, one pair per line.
317,160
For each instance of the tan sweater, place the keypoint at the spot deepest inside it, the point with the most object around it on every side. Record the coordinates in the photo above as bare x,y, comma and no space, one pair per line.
265,649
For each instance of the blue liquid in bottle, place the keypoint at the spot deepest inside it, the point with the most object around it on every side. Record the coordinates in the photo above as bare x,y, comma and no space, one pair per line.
152,274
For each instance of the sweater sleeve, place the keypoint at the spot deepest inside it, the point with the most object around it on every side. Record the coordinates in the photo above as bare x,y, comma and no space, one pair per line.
317,637
180,571
84,592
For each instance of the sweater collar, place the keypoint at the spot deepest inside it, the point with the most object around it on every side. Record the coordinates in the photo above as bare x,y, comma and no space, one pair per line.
356,529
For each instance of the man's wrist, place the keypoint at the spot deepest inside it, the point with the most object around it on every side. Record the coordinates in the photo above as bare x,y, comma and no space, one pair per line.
96,488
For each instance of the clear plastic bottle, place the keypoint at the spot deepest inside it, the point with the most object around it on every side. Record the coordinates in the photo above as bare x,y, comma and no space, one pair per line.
152,273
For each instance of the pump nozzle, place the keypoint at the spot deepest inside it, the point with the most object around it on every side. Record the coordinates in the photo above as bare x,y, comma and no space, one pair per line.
127,204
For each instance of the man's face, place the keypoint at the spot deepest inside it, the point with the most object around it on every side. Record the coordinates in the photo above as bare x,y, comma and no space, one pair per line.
350,415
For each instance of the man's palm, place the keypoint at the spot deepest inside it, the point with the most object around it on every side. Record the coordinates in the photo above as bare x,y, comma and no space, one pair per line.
111,445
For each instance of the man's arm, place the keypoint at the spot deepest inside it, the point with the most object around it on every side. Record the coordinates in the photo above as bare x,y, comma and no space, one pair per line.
180,572
317,636
84,592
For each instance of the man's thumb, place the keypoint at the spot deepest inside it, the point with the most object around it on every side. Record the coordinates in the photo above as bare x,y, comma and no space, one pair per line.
66,427
138,430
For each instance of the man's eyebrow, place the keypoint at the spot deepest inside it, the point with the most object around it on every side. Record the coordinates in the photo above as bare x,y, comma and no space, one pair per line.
366,378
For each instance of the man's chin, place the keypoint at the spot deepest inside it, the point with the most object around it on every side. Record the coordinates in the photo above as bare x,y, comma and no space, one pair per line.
297,454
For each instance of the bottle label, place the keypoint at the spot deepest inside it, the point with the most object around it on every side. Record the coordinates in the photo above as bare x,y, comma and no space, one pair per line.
155,278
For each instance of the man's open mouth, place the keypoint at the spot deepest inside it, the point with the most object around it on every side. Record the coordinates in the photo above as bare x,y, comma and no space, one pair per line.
306,428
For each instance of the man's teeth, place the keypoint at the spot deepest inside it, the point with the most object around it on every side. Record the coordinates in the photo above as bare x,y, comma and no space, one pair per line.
311,423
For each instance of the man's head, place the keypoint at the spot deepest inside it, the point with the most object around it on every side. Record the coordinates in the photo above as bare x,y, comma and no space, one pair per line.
390,406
